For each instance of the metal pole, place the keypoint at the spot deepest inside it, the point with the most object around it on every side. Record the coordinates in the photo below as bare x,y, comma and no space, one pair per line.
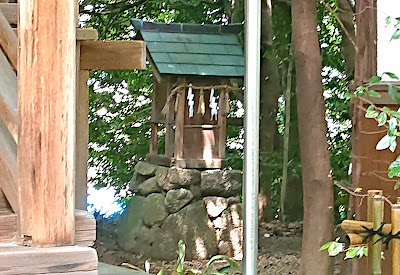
251,126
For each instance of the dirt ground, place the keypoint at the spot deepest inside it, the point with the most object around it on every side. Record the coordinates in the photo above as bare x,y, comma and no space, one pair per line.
279,250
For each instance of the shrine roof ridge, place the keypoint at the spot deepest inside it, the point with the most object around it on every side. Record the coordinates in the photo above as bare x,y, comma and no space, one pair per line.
187,27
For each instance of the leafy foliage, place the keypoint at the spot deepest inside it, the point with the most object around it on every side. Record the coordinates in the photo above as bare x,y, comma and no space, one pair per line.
208,270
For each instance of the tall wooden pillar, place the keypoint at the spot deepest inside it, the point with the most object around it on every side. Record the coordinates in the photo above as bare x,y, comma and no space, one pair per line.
46,100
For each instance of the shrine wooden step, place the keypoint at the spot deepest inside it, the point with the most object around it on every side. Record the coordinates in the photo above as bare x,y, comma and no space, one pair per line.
85,227
64,260
8,226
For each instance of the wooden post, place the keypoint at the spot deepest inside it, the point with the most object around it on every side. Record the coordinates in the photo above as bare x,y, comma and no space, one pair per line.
46,107
222,123
395,242
366,53
180,121
376,245
169,120
154,139
370,218
82,133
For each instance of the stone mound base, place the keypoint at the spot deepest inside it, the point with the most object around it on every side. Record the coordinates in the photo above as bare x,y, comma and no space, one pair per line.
201,208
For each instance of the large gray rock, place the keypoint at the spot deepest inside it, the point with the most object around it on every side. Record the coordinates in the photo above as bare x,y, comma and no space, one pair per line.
229,229
196,191
130,226
145,168
192,225
184,177
148,186
163,179
223,183
177,199
215,205
136,180
132,233
155,210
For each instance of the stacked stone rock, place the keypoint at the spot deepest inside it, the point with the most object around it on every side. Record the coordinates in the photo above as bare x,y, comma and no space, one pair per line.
200,207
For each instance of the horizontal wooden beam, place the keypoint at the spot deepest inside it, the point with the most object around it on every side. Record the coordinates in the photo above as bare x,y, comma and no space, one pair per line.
85,227
81,34
10,11
110,55
48,260
357,227
385,99
8,41
86,34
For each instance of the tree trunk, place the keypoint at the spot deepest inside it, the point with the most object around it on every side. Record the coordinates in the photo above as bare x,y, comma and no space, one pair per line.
294,200
269,94
317,187
346,16
270,91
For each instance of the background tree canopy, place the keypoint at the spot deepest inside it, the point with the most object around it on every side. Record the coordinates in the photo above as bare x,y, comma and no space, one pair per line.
120,100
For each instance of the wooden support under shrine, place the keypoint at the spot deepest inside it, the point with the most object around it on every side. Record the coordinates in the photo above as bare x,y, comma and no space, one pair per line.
195,68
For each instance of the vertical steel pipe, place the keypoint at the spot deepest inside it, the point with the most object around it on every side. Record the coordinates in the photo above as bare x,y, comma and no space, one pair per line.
251,126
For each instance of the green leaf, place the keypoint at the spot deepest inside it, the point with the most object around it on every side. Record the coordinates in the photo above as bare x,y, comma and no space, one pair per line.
394,168
392,144
397,185
392,126
373,93
371,112
335,248
391,75
359,91
382,119
383,143
396,35
387,109
358,190
393,93
375,79
388,20
326,246
352,252
365,251
161,272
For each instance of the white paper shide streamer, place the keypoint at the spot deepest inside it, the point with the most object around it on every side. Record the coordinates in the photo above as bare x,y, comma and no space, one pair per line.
190,99
213,105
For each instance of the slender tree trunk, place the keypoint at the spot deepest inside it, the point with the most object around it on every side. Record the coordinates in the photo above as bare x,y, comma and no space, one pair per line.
294,200
270,91
317,187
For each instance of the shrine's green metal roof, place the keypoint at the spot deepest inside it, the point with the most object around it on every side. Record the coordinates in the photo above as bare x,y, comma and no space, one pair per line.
193,49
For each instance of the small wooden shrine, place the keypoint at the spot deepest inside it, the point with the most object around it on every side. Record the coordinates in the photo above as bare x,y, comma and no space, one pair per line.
195,67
